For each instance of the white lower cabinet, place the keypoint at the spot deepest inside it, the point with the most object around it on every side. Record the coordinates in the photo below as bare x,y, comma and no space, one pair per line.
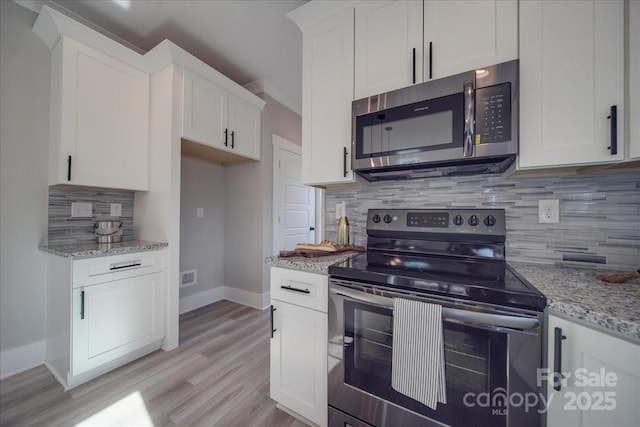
299,342
102,313
602,377
112,319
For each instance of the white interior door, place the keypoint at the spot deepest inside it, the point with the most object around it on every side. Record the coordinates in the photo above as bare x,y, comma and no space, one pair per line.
293,202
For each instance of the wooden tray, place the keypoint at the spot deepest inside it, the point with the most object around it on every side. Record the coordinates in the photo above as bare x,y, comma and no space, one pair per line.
314,254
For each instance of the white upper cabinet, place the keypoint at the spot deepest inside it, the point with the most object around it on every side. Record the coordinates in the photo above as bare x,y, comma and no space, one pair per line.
465,35
388,46
571,75
403,42
327,93
244,125
99,119
214,117
634,82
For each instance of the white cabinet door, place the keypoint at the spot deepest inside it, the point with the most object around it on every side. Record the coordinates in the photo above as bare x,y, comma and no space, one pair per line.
214,117
634,81
112,319
244,128
590,354
388,46
299,360
570,77
205,112
327,93
99,119
464,35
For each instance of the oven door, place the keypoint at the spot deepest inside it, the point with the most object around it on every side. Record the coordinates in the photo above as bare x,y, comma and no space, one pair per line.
477,362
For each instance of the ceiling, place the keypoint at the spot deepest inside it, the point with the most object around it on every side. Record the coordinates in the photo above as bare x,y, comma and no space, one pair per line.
245,40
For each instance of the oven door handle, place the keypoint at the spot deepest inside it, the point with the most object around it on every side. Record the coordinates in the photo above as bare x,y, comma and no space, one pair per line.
454,314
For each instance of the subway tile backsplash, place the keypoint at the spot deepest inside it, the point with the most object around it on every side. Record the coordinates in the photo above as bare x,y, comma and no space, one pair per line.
63,229
599,214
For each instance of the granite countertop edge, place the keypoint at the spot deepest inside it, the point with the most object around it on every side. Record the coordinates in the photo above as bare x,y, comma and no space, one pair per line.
91,250
570,291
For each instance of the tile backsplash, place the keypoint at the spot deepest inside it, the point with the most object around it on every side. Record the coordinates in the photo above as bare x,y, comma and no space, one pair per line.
63,229
599,214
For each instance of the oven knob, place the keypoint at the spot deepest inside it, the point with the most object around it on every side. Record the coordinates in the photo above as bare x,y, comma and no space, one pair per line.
387,218
458,220
473,220
376,218
490,221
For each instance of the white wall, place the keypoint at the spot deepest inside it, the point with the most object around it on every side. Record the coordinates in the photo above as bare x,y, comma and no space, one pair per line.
24,150
249,228
202,240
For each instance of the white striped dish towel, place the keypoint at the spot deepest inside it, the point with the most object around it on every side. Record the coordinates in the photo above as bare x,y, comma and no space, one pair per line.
417,367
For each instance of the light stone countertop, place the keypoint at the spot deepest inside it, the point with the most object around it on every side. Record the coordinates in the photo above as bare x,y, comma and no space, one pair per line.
312,265
571,291
576,292
91,250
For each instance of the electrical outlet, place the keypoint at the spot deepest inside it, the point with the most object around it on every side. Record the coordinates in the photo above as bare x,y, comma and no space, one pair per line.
341,209
116,209
549,211
81,210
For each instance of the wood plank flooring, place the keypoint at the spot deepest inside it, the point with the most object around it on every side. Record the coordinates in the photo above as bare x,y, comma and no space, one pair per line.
218,376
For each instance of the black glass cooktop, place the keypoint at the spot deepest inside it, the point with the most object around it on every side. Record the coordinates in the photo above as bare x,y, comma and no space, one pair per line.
490,281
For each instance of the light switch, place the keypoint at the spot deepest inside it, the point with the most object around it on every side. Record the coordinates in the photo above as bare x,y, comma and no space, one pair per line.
116,209
199,212
81,210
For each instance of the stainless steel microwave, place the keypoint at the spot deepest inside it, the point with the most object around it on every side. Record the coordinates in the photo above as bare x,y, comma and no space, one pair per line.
462,124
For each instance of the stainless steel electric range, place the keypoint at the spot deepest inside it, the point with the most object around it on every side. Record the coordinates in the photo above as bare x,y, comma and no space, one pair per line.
492,322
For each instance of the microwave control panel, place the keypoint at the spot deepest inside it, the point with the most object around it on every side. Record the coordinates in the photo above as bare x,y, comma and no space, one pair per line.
493,114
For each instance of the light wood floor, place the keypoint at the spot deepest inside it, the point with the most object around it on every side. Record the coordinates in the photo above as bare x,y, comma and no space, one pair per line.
218,376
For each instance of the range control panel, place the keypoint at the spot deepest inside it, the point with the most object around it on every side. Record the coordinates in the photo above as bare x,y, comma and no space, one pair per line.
463,221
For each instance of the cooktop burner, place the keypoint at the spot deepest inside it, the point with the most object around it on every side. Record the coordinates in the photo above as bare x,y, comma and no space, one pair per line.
426,251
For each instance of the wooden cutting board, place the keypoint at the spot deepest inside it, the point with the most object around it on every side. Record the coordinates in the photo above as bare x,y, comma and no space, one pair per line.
314,254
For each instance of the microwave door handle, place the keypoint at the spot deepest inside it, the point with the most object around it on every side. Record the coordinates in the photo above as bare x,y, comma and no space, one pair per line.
469,118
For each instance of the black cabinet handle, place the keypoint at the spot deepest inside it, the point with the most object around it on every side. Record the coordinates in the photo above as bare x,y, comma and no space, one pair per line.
226,137
414,65
344,167
233,133
291,288
81,305
613,116
312,229
69,169
272,328
557,358
430,60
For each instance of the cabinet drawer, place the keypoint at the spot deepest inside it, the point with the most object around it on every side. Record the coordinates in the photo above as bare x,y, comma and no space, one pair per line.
300,288
103,269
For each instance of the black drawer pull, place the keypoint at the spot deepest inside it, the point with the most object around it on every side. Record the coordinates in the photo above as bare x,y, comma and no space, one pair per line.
69,169
118,267
291,288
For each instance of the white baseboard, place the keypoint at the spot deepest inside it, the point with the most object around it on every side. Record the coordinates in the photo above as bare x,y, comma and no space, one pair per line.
201,299
19,359
248,298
